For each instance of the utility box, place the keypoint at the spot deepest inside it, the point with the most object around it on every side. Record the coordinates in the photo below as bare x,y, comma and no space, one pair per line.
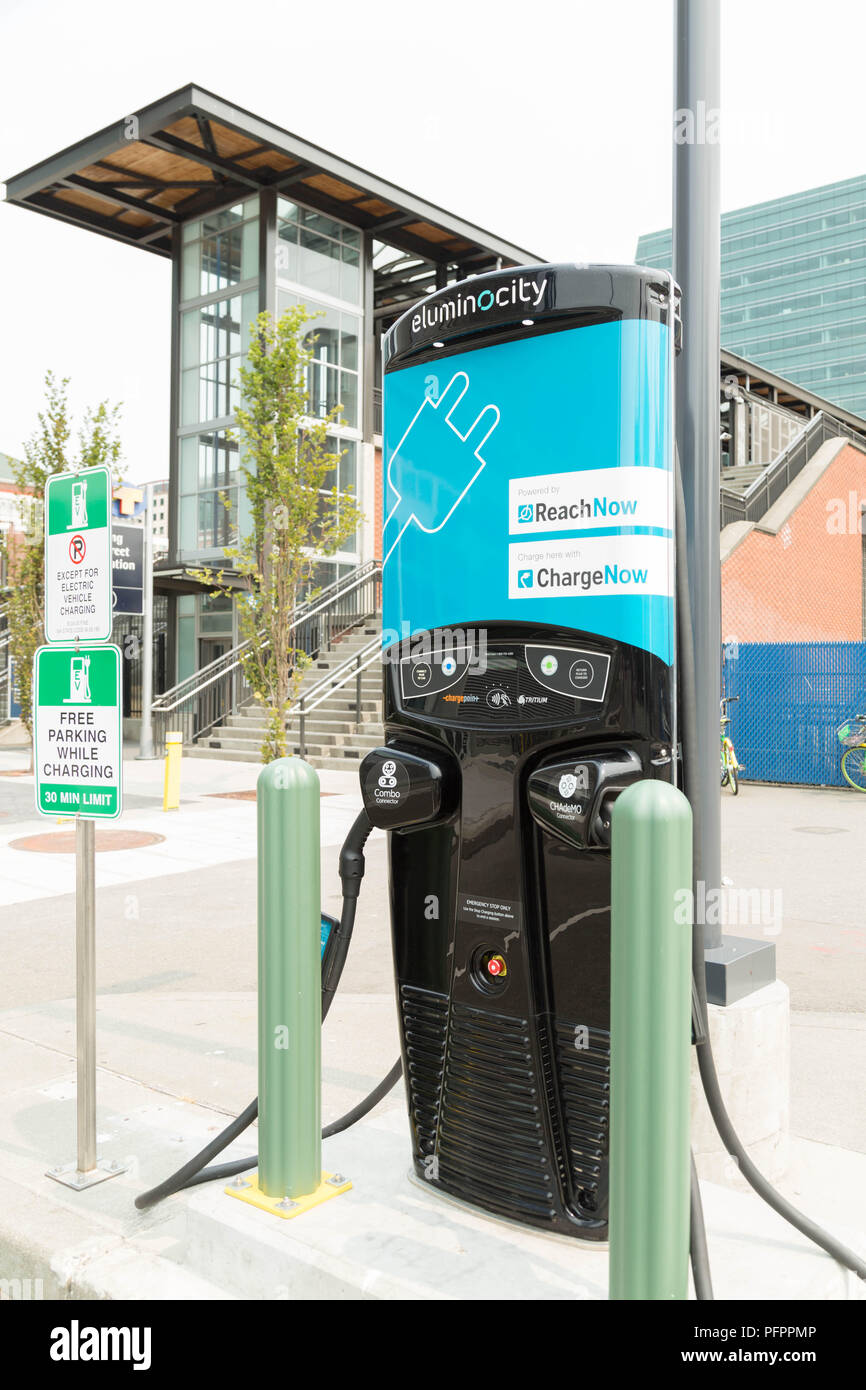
528,611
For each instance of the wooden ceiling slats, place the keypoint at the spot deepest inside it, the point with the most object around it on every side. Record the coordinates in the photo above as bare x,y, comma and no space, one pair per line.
335,188
140,158
161,170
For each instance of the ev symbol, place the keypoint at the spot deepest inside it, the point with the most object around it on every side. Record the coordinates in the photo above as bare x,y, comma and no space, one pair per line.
387,777
435,462
524,579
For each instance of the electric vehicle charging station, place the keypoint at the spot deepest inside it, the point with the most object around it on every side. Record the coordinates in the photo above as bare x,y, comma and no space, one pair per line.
529,648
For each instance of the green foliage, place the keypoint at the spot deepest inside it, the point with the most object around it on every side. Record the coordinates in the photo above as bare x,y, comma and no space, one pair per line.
50,450
288,469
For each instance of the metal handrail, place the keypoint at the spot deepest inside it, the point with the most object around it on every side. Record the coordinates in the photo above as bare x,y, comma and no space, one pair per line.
350,669
230,660
204,700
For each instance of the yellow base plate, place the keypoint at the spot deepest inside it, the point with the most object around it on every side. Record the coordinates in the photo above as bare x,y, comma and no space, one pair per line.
248,1190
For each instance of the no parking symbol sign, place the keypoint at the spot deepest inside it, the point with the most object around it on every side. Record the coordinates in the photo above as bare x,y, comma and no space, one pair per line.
78,556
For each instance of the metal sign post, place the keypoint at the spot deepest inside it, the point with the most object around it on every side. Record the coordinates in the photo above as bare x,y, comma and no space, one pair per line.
78,746
85,990
145,747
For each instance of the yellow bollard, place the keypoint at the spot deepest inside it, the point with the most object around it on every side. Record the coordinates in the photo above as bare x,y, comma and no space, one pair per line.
173,754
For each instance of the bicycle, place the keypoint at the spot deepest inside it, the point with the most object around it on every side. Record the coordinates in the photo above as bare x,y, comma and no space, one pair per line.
852,736
729,768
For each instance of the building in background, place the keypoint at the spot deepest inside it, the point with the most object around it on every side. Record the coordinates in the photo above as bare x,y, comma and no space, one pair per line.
254,218
159,499
16,515
793,294
793,559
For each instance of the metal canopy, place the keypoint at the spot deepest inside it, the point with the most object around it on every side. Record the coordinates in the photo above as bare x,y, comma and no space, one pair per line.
192,152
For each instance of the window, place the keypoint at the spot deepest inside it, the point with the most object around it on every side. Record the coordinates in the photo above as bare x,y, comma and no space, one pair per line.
343,477
213,337
318,252
220,250
332,378
215,614
208,475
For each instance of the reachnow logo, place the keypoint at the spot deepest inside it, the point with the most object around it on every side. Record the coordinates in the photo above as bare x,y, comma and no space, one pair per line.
574,511
520,290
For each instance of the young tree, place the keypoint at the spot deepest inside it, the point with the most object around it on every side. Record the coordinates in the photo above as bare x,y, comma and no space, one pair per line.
51,449
288,466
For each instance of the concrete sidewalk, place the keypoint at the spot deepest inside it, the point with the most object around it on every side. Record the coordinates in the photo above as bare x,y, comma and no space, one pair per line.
176,1039
388,1238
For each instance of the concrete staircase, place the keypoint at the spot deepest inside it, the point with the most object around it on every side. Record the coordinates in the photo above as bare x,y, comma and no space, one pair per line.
332,738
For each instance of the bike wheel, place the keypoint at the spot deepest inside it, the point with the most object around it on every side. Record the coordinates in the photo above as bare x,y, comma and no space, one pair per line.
733,780
854,768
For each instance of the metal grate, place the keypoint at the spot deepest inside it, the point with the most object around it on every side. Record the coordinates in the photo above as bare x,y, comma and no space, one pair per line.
792,698
491,1145
425,1027
584,1079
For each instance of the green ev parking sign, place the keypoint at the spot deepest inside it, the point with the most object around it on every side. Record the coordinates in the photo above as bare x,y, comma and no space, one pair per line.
77,739
78,556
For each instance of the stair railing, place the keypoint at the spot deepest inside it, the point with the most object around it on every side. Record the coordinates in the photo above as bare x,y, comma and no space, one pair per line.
210,695
324,690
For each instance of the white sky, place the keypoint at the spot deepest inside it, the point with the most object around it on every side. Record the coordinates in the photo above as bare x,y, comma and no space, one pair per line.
548,123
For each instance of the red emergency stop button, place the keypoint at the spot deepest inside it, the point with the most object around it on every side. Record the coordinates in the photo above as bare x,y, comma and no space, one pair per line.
496,966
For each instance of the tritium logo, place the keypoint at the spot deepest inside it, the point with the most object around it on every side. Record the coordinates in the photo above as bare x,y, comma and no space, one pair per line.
521,290
77,1343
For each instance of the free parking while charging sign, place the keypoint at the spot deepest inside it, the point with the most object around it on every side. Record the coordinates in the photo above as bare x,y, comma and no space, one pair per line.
77,732
78,556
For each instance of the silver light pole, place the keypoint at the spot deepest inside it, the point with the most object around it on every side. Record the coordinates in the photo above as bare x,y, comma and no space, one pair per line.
735,966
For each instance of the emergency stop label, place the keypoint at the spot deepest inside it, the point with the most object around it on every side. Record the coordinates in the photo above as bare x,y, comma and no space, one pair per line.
531,480
77,731
78,556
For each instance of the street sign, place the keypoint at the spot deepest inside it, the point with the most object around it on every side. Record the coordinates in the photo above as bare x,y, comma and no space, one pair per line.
77,731
127,567
78,556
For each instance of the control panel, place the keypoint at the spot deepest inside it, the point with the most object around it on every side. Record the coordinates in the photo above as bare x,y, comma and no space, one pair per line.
508,684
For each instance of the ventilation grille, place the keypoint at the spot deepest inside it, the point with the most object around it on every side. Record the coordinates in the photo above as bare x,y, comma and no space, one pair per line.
584,1079
425,1027
492,1147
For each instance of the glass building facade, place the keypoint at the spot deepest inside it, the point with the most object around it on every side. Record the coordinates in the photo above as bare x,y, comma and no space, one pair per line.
229,270
253,218
793,291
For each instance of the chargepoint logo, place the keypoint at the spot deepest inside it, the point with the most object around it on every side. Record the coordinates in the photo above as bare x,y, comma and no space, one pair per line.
520,291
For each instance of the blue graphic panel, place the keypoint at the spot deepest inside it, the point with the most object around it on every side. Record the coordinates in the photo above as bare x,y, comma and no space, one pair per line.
531,481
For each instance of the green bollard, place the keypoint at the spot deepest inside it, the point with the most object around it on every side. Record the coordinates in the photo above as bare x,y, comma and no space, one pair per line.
650,1027
290,980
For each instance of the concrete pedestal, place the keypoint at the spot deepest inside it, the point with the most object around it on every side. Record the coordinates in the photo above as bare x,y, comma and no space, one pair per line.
751,1046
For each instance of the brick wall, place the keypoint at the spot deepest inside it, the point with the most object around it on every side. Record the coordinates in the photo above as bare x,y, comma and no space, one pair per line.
806,582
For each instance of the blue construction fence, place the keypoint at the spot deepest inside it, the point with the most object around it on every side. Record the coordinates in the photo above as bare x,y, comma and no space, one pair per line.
792,698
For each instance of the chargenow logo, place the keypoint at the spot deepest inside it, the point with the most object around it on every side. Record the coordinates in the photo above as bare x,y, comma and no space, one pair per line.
77,1343
520,290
